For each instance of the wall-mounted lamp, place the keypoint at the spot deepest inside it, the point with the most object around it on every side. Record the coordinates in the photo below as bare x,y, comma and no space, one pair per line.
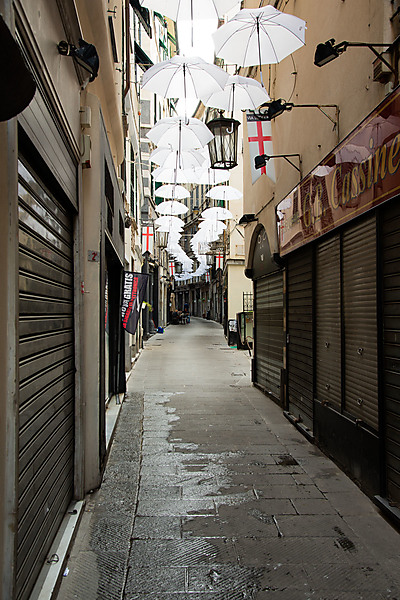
86,56
248,217
328,51
261,161
271,110
223,147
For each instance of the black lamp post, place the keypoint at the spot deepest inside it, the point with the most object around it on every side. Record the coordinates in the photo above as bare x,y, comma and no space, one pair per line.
223,147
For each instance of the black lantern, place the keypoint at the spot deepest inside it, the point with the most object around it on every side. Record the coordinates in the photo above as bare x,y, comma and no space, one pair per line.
223,147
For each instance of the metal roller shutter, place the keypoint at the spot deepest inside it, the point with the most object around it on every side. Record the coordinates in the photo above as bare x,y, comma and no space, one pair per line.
391,349
360,321
46,368
328,323
268,338
300,327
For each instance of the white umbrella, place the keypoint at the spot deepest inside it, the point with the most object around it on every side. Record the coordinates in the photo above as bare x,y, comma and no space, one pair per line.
239,92
180,133
172,191
169,220
167,157
171,207
259,36
193,10
224,192
167,175
169,228
209,176
217,212
184,77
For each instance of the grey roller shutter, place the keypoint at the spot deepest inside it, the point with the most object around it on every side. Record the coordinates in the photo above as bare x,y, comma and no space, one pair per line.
360,322
328,323
268,335
46,374
300,328
391,350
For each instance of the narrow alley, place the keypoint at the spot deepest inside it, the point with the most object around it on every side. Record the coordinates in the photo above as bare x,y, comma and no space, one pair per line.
210,493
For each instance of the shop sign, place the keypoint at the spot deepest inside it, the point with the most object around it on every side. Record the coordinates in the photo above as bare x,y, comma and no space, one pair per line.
360,173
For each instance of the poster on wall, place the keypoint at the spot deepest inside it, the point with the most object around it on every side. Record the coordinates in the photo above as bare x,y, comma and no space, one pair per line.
132,298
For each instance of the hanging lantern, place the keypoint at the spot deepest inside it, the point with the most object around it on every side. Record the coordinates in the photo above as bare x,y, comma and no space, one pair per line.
223,147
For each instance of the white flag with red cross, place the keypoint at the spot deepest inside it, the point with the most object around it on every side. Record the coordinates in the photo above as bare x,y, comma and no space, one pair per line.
260,142
219,261
171,266
148,239
207,277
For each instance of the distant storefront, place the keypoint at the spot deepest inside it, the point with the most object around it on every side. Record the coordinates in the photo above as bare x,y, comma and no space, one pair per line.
339,232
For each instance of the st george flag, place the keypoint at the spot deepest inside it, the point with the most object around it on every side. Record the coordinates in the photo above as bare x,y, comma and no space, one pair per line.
171,267
219,261
260,142
133,295
148,239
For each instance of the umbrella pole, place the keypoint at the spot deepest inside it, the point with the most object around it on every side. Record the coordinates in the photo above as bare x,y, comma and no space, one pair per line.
259,50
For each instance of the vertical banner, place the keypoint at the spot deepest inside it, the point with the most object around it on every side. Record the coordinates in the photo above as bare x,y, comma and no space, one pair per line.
219,261
132,298
148,239
260,142
207,277
171,267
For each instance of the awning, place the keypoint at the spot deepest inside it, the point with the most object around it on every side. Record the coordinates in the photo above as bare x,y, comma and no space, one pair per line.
143,15
141,58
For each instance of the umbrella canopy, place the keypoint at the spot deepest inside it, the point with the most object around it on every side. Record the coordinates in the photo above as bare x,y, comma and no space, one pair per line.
169,228
167,157
239,92
184,77
180,133
172,191
209,176
259,36
171,207
167,175
169,220
224,192
217,212
193,10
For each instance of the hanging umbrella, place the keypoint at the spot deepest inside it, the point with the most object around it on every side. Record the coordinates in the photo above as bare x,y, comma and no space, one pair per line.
193,10
167,175
259,36
172,191
184,77
180,133
209,176
169,220
171,207
167,157
217,212
169,228
224,192
239,92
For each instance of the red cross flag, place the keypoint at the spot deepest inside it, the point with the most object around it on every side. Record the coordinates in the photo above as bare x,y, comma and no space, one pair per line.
171,266
207,277
147,239
260,142
219,261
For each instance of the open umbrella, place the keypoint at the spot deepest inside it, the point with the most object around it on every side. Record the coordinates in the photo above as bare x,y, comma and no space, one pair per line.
167,175
209,176
171,207
167,157
180,133
184,77
190,10
259,36
169,220
217,212
239,92
177,192
224,192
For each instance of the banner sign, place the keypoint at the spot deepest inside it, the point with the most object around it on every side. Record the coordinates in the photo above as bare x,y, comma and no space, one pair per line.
133,296
219,261
260,142
148,239
359,174
171,267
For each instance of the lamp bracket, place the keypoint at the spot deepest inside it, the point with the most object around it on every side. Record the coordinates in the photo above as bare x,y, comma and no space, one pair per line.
286,157
342,46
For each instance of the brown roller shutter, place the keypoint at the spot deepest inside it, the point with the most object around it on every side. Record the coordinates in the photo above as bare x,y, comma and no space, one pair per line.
360,321
268,334
46,374
300,328
391,350
328,327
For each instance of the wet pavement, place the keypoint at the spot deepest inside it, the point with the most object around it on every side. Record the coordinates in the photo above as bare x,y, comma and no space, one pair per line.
211,494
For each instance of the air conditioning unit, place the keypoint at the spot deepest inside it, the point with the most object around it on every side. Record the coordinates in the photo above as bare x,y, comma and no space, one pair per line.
381,72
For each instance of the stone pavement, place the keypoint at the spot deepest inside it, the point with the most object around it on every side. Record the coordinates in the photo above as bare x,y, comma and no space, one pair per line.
211,494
